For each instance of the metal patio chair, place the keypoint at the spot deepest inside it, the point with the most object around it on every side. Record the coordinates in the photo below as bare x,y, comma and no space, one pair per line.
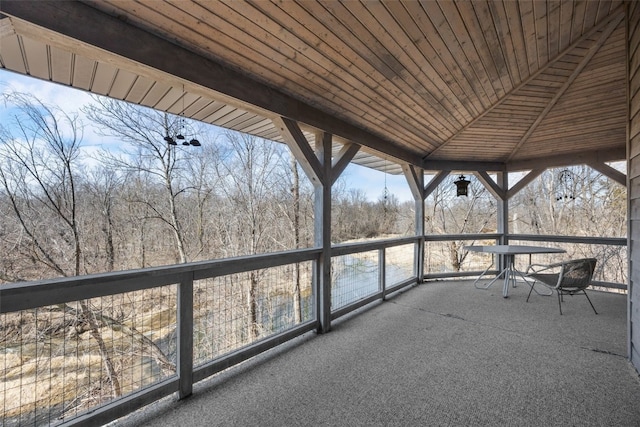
566,278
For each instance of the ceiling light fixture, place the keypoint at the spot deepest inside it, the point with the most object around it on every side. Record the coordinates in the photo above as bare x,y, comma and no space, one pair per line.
462,185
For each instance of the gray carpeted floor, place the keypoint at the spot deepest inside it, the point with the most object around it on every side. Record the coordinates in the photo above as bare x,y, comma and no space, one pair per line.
440,354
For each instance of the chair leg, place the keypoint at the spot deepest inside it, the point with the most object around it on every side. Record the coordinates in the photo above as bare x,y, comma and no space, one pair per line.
530,290
589,299
559,303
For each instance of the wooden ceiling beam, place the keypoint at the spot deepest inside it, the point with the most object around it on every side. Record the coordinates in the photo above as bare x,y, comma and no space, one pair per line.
587,157
437,165
88,25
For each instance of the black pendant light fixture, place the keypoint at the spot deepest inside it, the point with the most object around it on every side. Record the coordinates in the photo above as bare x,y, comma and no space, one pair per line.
462,186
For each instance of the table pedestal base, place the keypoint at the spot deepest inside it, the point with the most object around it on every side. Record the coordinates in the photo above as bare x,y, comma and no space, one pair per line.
510,275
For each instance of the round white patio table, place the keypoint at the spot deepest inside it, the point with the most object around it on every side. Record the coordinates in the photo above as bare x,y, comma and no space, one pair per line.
509,252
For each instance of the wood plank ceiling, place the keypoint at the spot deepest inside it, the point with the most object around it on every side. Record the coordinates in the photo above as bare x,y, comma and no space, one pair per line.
483,84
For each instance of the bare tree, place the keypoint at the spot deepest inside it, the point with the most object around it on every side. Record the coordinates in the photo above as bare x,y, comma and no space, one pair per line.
200,204
449,214
251,174
101,190
39,171
576,201
39,175
151,150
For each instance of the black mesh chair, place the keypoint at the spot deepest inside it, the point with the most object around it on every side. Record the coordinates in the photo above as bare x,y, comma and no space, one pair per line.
566,278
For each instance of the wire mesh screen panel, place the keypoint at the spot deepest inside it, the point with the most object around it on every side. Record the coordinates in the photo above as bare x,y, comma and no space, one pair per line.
353,277
59,361
235,310
451,257
612,260
399,265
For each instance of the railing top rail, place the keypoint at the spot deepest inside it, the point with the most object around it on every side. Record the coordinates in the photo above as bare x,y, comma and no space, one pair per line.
349,248
614,241
448,237
592,240
27,295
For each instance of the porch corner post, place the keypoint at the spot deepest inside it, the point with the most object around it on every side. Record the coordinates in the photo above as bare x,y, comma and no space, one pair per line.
415,179
420,248
184,366
322,233
502,179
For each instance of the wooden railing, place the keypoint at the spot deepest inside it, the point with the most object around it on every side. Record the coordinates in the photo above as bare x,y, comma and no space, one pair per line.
201,310
589,247
41,314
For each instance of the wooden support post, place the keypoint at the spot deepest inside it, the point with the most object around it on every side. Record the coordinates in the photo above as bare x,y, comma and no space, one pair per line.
415,178
185,336
322,172
419,249
322,234
382,272
502,179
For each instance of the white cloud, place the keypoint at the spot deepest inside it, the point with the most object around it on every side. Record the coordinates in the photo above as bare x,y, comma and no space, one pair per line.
68,99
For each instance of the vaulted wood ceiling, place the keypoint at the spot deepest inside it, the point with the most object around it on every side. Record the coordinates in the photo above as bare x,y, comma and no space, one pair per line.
484,85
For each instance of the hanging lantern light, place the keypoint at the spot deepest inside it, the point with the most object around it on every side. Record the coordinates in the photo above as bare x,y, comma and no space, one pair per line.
462,185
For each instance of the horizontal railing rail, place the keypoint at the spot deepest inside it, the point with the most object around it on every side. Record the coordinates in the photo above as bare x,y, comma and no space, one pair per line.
612,241
466,237
350,248
27,295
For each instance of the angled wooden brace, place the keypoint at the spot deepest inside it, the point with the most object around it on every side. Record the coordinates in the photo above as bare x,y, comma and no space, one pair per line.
415,179
342,160
533,174
302,151
435,181
485,179
609,172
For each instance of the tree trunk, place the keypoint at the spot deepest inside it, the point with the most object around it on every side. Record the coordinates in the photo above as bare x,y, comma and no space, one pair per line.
111,253
90,317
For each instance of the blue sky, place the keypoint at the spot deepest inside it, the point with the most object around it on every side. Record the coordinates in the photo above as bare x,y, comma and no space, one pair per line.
70,100
370,181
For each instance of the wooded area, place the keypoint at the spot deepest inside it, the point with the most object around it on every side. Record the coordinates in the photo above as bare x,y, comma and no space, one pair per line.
147,203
